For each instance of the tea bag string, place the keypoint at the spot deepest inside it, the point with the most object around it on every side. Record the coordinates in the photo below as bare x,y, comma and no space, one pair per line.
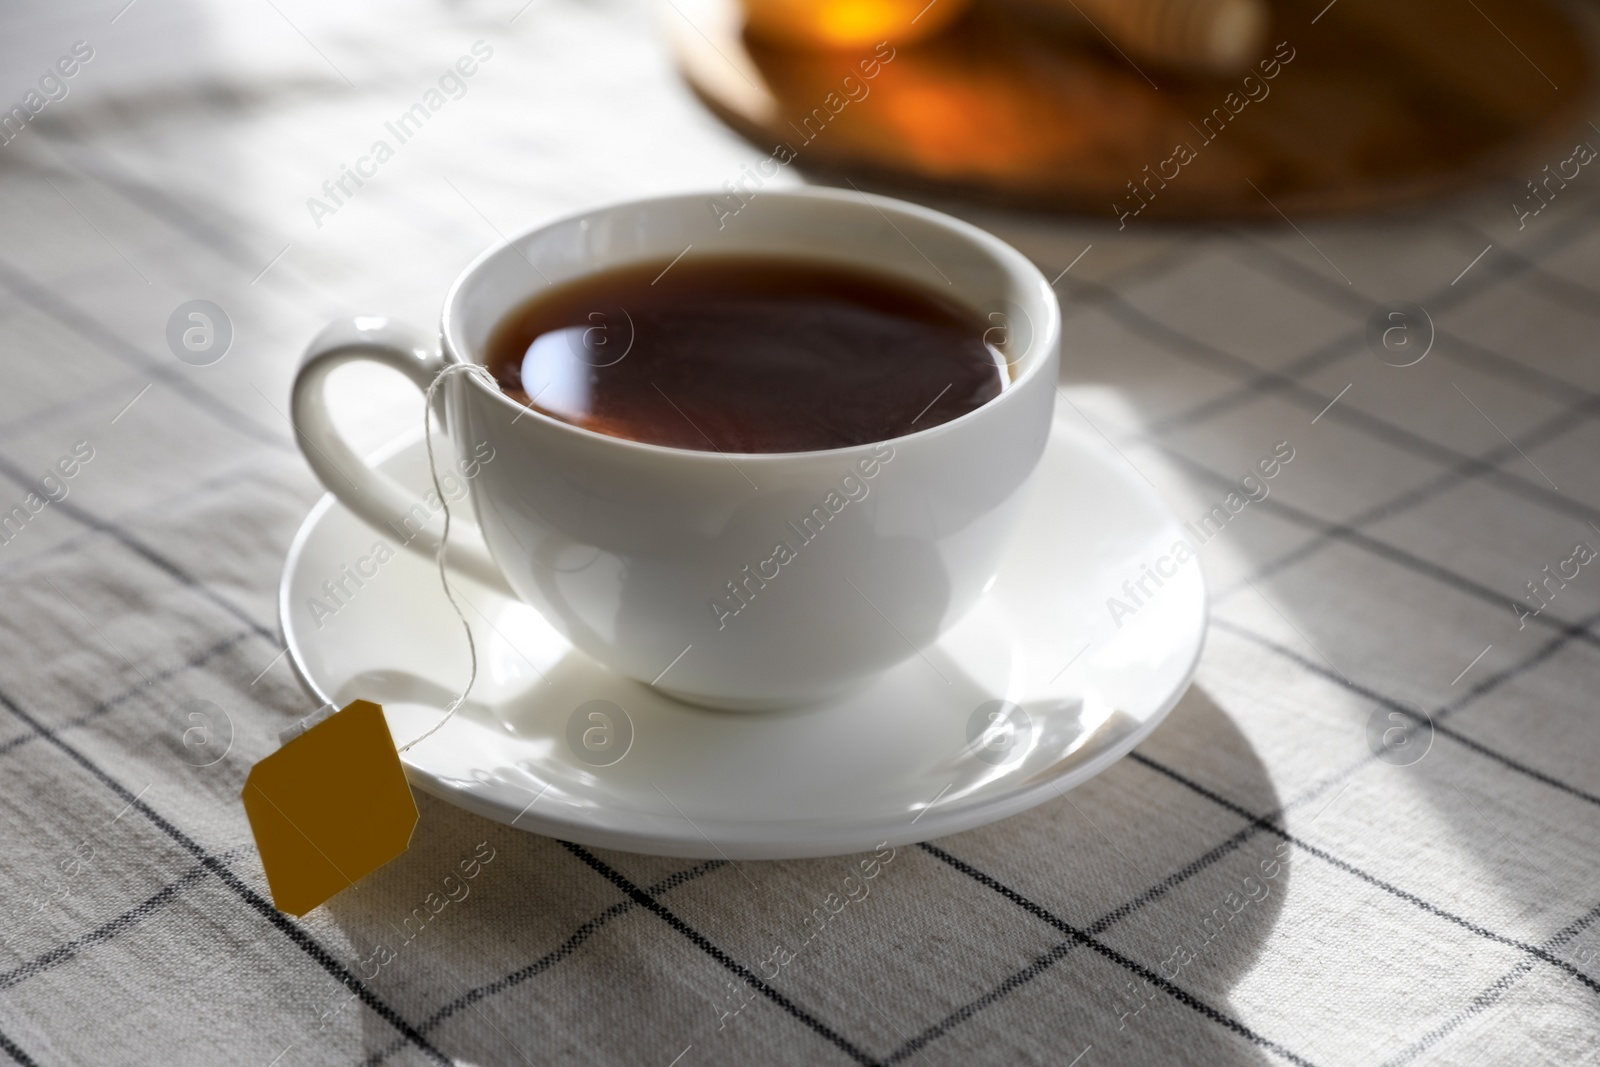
444,540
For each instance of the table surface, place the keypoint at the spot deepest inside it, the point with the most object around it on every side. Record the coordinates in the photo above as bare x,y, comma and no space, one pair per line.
1253,884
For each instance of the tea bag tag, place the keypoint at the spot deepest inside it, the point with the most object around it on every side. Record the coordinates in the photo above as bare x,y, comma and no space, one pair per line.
332,804
329,807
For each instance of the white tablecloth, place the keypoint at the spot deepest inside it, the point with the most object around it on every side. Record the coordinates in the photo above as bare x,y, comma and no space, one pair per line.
1252,885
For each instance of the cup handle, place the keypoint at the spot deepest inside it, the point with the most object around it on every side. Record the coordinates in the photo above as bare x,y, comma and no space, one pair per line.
374,496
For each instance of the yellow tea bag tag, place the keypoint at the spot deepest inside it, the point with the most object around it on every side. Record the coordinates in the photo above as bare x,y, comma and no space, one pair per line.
332,804
329,807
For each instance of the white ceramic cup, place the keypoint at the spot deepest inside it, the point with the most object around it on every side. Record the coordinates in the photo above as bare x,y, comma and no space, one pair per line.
746,581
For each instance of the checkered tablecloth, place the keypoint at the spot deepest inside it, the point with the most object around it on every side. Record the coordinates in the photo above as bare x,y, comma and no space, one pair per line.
1261,881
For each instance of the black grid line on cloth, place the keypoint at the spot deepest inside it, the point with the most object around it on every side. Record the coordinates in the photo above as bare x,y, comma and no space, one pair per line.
1260,382
69,545
91,329
1015,981
1086,939
1257,381
1438,728
1098,294
14,1050
1480,691
1549,430
1011,984
1506,674
1505,267
1373,880
292,930
1491,994
1559,290
1375,546
1308,399
1482,358
1470,353
251,467
550,959
194,662
704,944
1322,786
1330,532
1506,264
1349,535
1347,531
133,544
1382,549
1264,383
106,931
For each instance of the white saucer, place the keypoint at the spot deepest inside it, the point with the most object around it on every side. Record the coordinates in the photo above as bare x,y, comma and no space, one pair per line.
895,762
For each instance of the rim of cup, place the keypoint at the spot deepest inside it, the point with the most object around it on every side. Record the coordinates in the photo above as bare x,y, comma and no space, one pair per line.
1012,261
